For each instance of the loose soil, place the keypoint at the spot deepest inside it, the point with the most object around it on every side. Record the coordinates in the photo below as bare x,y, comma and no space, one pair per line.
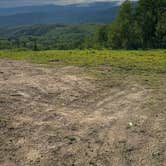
62,116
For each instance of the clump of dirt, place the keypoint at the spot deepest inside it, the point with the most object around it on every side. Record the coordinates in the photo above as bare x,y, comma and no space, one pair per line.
60,116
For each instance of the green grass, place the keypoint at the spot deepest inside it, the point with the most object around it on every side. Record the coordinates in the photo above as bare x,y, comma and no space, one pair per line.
152,61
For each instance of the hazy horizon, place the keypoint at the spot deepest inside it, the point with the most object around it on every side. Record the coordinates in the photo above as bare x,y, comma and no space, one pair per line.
19,3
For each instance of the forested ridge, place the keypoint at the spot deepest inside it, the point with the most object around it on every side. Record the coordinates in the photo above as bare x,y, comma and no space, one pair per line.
46,37
136,26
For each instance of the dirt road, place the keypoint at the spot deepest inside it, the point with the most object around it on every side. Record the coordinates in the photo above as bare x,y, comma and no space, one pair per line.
63,117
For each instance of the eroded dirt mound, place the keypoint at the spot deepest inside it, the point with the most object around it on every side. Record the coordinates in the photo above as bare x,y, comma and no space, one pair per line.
59,116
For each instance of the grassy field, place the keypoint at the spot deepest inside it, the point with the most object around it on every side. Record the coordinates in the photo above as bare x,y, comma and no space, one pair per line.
147,66
152,61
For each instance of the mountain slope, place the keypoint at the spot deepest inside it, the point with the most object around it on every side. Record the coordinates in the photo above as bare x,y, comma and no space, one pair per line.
95,13
52,36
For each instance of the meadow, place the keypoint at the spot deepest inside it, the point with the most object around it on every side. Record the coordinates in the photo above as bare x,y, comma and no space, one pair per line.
151,61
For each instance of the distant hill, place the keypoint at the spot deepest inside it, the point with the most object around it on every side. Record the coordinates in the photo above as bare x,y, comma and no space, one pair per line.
52,36
100,12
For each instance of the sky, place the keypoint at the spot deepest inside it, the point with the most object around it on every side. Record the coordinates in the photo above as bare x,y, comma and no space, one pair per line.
13,3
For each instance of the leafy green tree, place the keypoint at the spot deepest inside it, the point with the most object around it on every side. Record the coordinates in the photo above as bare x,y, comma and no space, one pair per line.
161,26
123,33
5,44
102,36
150,20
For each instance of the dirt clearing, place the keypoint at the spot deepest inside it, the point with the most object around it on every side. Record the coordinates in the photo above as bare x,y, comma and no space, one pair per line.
62,116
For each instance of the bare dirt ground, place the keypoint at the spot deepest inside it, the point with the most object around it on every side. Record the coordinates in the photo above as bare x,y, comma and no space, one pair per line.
62,117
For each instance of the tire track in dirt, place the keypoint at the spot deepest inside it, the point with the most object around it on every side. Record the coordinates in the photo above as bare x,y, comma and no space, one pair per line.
59,116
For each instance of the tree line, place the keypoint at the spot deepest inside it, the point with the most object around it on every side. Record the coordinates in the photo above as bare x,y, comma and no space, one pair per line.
46,36
139,26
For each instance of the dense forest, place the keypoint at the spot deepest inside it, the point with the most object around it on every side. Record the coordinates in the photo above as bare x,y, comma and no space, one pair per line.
46,37
136,26
140,26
